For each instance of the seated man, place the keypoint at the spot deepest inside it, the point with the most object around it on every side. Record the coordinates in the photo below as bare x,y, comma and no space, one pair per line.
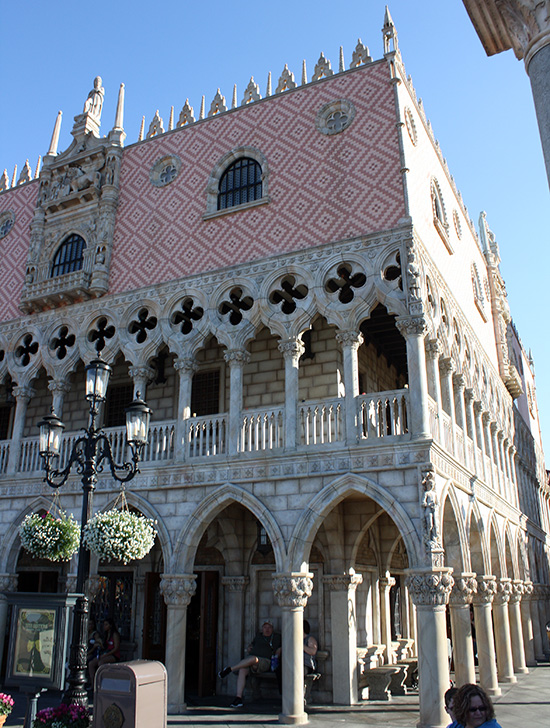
264,645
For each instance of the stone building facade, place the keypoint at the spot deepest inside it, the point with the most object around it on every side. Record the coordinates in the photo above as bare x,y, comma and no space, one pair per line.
344,418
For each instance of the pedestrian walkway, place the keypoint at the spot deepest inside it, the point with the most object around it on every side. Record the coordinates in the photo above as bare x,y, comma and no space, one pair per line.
526,703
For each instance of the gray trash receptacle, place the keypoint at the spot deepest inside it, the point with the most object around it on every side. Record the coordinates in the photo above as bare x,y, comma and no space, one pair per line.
130,694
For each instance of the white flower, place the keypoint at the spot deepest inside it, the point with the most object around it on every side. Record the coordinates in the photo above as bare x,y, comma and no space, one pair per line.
48,537
120,536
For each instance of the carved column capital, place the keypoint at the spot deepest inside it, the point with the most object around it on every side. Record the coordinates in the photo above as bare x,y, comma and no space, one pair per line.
342,582
429,587
528,25
412,326
291,348
145,373
478,408
386,582
528,588
236,357
433,348
353,339
293,589
446,366
486,589
464,588
61,386
185,365
518,589
469,395
504,591
23,393
235,583
8,582
177,589
459,381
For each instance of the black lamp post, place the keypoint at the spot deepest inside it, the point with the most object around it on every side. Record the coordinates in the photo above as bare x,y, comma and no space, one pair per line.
89,453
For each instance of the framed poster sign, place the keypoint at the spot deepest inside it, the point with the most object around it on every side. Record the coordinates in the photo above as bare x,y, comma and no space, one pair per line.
38,639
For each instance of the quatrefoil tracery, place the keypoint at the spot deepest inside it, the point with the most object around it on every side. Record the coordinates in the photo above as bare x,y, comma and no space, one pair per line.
62,342
188,314
235,305
101,333
345,283
288,294
393,271
26,350
142,325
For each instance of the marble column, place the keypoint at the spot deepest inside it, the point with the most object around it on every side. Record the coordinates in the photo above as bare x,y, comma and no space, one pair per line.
292,591
141,376
516,632
433,350
496,456
59,388
460,599
471,427
350,341
23,396
344,636
541,602
527,625
505,665
235,590
385,584
8,583
478,413
177,590
236,358
429,589
490,480
414,328
482,601
446,368
458,381
186,368
292,350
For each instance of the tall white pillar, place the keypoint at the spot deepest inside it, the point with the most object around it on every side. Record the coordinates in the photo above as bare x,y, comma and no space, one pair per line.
59,388
141,376
177,590
236,358
414,328
446,368
460,599
478,413
482,601
344,636
527,625
485,418
23,396
433,349
292,350
235,589
292,591
429,589
186,368
350,341
471,427
516,631
496,456
385,583
505,665
458,380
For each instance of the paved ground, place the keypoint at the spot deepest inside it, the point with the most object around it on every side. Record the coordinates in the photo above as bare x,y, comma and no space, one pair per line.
525,704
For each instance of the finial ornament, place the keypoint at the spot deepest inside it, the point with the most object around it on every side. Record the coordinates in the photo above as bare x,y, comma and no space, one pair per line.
155,127
341,64
360,55
14,177
286,81
252,92
38,164
201,114
171,119
186,114
322,68
119,117
94,103
141,129
304,73
218,104
4,181
26,173
55,135
389,34
268,89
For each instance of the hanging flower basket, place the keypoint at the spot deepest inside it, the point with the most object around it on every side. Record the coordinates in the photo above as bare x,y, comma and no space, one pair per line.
51,537
120,535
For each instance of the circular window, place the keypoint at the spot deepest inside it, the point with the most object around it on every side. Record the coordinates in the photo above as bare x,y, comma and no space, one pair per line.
165,170
7,220
458,226
411,126
335,117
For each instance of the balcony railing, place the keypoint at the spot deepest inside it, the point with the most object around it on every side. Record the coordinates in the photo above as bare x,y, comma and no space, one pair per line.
262,430
321,422
206,436
384,414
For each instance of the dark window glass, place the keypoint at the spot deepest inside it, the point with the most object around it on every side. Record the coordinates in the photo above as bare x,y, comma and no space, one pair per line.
240,183
205,393
118,399
4,422
69,256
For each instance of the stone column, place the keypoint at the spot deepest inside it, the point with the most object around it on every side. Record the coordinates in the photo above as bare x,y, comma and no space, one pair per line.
59,388
235,589
236,358
350,341
527,625
535,620
496,458
429,589
501,618
478,413
177,591
458,380
446,368
8,583
540,604
385,583
470,418
516,632
489,449
292,592
433,350
186,368
482,601
292,350
414,328
141,376
460,599
344,636
23,396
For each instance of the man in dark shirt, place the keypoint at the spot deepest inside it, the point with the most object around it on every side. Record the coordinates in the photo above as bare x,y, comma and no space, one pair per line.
264,645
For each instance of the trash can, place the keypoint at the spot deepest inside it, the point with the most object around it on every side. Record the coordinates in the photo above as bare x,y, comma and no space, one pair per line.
130,694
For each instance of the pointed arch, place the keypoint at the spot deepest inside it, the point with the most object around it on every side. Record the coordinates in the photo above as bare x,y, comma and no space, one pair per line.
453,528
479,557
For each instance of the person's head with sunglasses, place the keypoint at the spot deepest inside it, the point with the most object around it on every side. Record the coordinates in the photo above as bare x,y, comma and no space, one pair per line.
473,708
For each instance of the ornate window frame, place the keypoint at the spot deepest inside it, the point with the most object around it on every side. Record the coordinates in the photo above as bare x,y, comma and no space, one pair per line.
212,187
155,174
439,212
326,112
74,264
7,221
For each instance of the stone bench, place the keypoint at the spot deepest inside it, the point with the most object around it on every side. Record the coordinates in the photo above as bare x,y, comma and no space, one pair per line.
398,680
377,680
268,680
411,680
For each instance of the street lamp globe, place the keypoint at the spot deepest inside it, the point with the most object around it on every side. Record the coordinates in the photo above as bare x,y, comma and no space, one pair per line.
51,429
97,380
138,416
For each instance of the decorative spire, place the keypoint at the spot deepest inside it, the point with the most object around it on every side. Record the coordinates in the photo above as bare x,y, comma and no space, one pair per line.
37,170
304,72
171,119
201,113
286,81
186,114
360,55
141,129
119,117
341,65
26,174
389,34
234,101
218,104
268,89
322,68
4,181
55,136
14,176
252,92
156,126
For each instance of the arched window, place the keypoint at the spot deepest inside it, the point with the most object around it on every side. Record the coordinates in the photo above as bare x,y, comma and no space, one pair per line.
240,183
69,256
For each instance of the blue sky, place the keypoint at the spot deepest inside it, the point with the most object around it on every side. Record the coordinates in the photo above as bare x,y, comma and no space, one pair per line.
481,108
